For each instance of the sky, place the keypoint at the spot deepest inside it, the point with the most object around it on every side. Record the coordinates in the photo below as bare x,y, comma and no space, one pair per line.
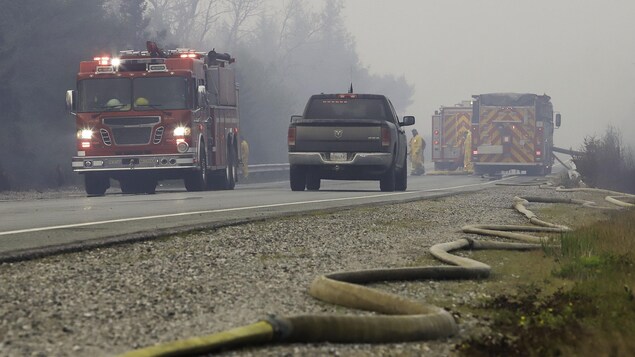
579,52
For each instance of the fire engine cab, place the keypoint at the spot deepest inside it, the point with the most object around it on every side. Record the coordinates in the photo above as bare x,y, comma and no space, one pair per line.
146,116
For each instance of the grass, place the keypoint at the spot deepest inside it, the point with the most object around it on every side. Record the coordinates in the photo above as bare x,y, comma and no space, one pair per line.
593,315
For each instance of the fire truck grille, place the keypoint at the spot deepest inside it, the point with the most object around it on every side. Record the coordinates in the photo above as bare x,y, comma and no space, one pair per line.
131,121
105,137
158,135
133,130
132,136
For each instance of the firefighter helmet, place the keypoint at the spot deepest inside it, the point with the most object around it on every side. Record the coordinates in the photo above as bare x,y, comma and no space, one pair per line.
114,102
141,101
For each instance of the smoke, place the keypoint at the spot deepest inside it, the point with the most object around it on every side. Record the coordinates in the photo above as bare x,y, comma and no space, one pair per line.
580,53
285,51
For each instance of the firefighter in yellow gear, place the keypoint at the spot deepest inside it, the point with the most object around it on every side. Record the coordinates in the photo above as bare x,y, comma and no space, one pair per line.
467,153
417,145
244,156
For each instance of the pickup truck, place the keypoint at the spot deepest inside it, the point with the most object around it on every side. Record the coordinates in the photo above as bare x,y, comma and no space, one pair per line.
348,137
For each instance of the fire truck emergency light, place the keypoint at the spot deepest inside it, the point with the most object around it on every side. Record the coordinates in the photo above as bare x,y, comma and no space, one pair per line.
104,61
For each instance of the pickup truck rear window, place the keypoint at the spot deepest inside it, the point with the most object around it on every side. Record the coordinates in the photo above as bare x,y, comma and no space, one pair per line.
347,108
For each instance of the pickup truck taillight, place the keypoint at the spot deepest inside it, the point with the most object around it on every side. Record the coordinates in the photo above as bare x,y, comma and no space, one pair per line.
385,136
291,137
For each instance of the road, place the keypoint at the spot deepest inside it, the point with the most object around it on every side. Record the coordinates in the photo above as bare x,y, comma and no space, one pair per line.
33,228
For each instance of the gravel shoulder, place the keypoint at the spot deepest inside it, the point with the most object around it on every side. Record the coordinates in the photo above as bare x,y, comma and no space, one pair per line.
107,301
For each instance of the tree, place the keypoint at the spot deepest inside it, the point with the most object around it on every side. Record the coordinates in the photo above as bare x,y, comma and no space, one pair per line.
42,45
185,22
133,23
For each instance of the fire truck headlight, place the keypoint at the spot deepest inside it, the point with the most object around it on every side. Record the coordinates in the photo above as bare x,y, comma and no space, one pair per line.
85,134
182,131
115,62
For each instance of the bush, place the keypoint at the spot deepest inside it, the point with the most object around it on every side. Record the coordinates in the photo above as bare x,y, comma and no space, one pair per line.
606,163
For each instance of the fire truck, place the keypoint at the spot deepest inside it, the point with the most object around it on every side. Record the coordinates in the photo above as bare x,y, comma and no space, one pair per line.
513,131
448,125
146,116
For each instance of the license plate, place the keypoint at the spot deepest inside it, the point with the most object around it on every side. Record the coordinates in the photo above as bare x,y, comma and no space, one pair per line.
338,156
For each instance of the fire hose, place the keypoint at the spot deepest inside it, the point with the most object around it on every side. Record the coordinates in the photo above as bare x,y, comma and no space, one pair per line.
403,319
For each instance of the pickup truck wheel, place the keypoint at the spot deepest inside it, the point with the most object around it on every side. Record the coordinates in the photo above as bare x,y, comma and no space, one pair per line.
401,183
297,178
312,182
197,180
387,183
96,183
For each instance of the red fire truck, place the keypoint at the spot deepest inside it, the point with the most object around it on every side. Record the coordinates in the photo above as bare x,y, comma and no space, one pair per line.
152,115
513,131
448,126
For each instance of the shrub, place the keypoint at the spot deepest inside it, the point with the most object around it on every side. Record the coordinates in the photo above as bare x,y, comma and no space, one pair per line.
606,163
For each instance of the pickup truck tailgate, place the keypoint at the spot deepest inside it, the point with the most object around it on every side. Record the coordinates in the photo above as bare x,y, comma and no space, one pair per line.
339,135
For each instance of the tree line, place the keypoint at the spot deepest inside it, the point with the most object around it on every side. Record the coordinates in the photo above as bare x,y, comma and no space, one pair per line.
285,50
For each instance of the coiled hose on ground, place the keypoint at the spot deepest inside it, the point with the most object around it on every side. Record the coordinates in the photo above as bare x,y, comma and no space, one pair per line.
403,319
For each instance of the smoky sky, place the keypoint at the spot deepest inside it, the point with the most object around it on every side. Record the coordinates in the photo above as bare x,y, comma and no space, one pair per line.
581,53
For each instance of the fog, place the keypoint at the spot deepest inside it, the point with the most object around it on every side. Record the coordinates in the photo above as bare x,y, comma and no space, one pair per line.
581,53
422,54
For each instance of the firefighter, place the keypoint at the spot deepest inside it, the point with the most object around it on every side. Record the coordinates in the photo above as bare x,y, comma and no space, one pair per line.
244,156
460,145
467,153
417,145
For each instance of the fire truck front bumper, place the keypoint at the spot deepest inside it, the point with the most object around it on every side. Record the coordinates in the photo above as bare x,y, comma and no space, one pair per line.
132,162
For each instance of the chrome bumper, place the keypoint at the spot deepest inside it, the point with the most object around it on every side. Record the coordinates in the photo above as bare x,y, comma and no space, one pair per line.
362,158
132,162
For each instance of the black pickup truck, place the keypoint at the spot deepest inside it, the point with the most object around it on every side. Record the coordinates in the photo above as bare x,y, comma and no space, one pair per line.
348,137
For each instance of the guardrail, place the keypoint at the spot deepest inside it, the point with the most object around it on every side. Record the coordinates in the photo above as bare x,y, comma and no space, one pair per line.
268,168
266,172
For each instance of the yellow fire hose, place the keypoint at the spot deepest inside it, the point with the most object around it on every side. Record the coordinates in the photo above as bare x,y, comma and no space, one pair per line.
403,320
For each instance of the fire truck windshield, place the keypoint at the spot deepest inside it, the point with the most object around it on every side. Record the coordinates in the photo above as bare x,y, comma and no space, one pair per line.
104,94
122,94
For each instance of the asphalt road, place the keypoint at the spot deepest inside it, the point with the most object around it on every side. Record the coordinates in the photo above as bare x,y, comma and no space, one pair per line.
32,228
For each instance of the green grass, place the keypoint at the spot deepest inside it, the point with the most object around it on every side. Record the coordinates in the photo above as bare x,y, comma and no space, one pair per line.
594,315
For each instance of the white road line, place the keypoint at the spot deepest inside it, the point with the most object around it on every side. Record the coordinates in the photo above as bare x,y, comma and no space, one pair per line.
75,225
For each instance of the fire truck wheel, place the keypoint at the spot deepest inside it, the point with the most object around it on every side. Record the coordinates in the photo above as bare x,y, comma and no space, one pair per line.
96,183
387,183
297,177
231,171
197,180
149,186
